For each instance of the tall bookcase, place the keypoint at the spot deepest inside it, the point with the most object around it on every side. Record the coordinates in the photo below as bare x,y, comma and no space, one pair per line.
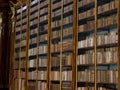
67,45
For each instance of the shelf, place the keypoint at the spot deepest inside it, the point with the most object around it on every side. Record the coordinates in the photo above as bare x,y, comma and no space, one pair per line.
86,19
67,4
43,32
106,83
106,64
107,45
107,13
32,45
44,54
43,42
83,65
32,80
86,48
86,7
85,82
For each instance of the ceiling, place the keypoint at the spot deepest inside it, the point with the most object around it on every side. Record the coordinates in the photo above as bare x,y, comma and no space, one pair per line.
4,4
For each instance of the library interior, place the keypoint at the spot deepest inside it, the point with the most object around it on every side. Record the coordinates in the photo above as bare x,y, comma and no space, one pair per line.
59,44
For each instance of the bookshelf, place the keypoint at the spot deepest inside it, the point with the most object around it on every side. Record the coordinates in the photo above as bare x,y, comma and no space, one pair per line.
67,45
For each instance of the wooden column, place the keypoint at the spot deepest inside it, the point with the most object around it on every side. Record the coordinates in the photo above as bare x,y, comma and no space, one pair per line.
74,44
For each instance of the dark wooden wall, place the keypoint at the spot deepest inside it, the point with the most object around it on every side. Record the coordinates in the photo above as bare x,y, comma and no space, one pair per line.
5,45
5,51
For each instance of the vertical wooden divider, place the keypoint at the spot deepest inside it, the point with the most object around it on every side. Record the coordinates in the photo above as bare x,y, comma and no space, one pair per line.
21,12
49,45
95,44
27,46
74,43
12,55
37,60
118,56
61,42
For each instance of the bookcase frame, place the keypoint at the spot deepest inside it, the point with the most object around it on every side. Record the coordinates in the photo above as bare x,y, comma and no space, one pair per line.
74,48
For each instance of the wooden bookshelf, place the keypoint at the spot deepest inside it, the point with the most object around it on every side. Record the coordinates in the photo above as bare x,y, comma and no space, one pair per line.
67,45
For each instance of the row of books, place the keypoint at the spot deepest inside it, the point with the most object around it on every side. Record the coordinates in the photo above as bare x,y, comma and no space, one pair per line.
32,75
43,62
68,8
56,23
34,31
32,85
107,7
16,64
56,5
33,8
17,45
67,75
84,2
107,76
21,21
55,61
17,54
43,37
55,48
43,3
33,2
87,58
32,63
17,29
18,23
56,13
86,76
24,20
42,85
54,86
19,84
18,36
55,75
86,87
86,14
33,40
43,18
23,54
107,38
23,36
67,1
19,74
24,13
23,43
67,60
24,26
68,20
43,49
32,51
107,56
89,25
88,42
33,22
43,28
66,86
42,75
43,11
104,88
22,63
34,15
67,31
56,34
65,46
107,21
